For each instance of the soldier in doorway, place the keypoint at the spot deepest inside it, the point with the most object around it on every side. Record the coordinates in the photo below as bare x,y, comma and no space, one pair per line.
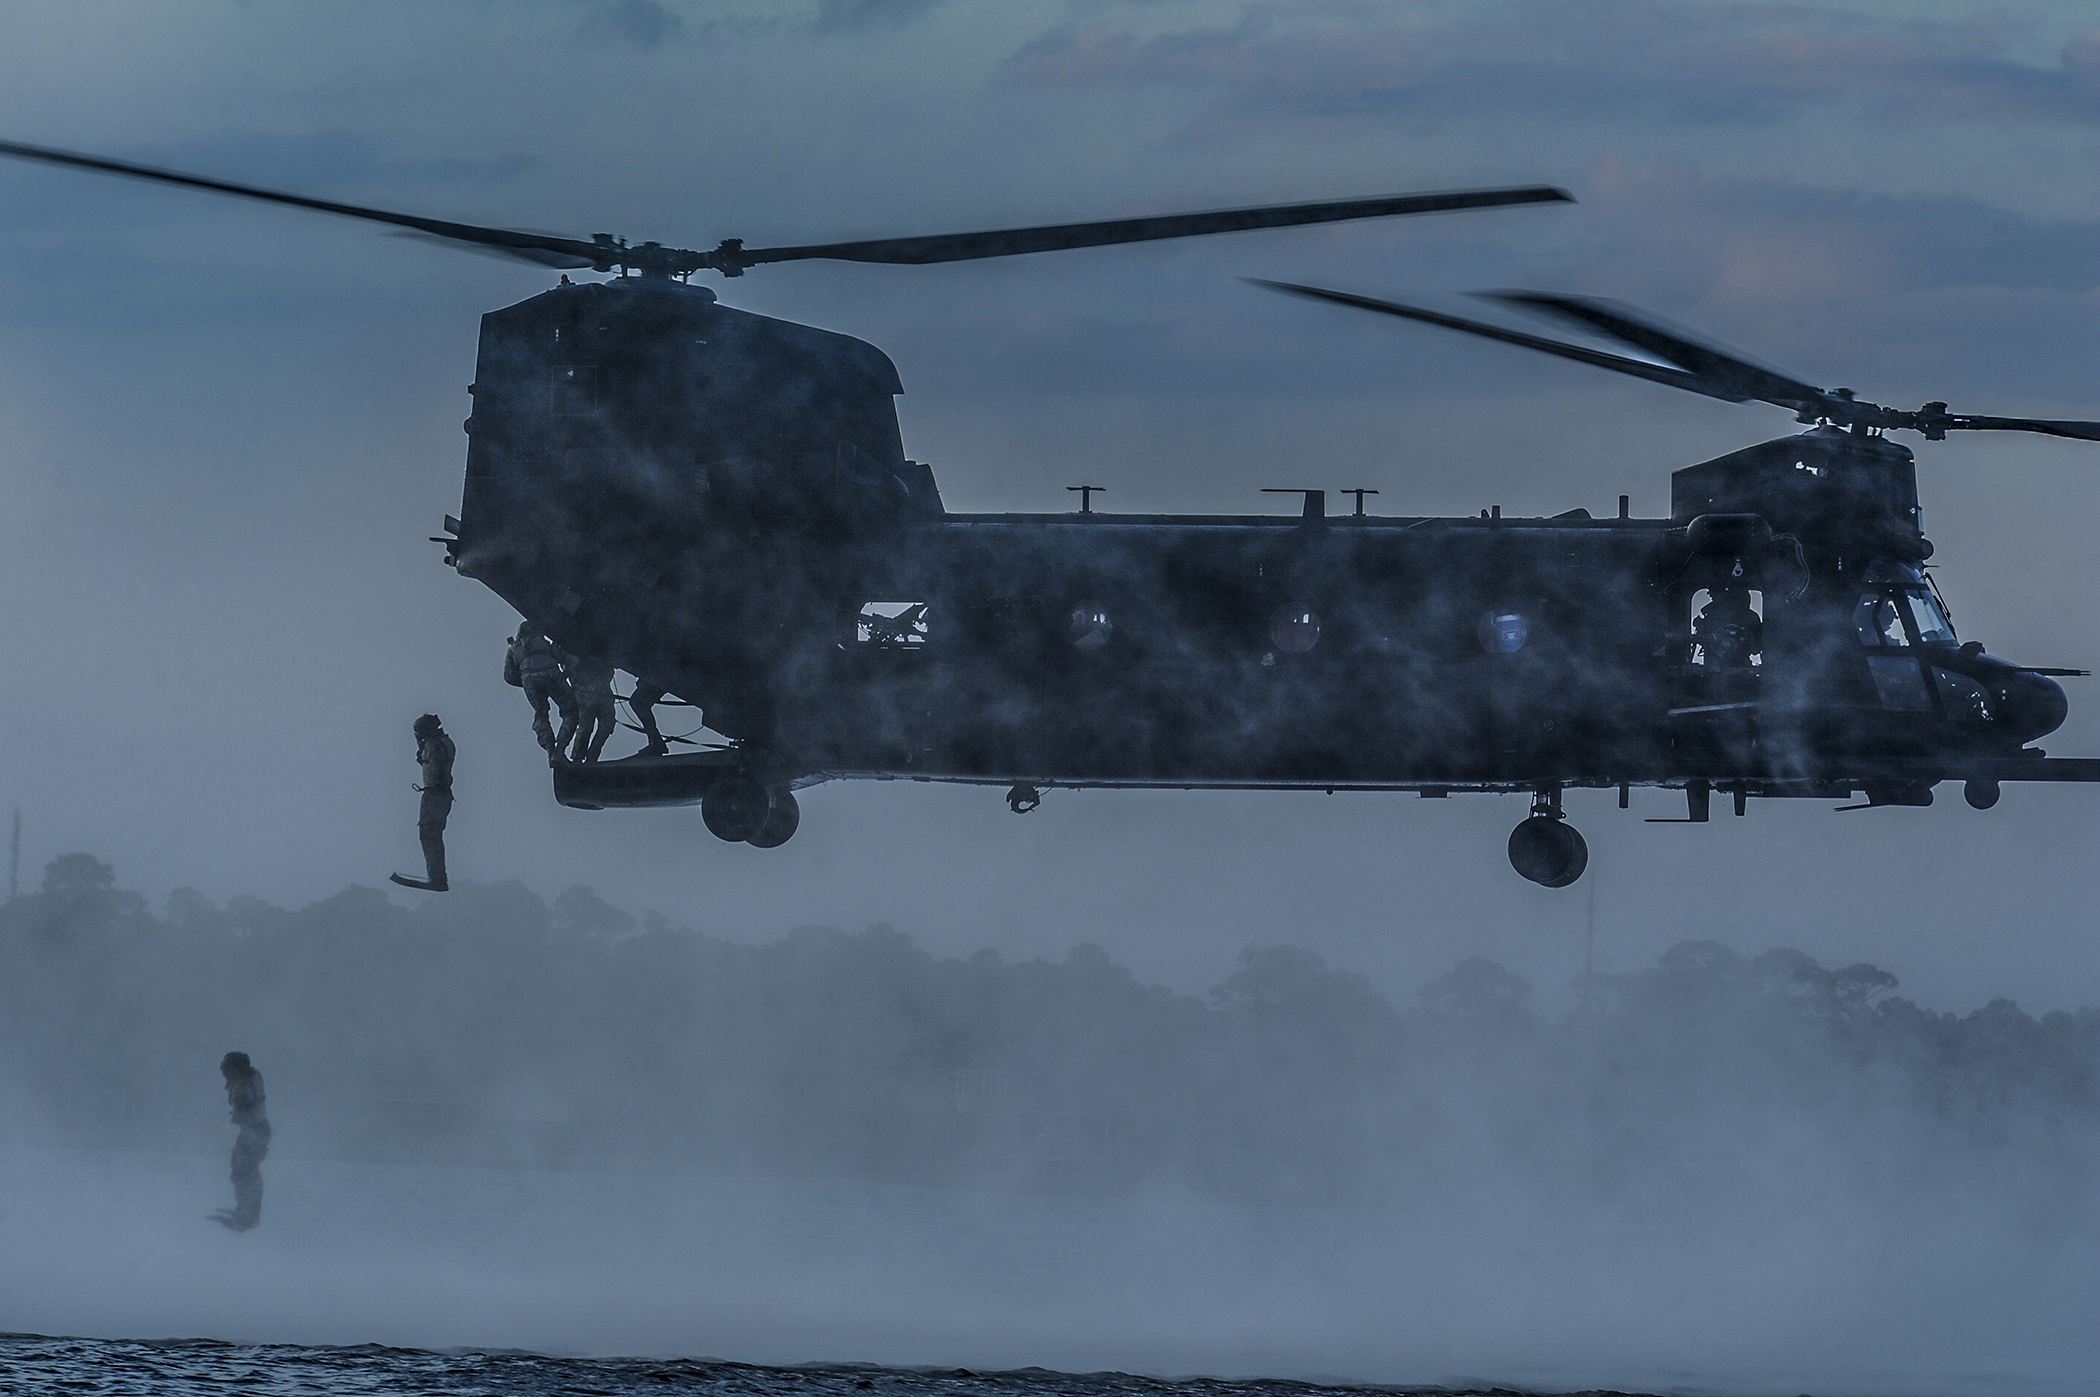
532,665
434,753
1728,631
244,1093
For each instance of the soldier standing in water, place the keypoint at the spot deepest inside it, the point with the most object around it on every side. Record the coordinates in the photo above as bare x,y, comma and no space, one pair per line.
244,1093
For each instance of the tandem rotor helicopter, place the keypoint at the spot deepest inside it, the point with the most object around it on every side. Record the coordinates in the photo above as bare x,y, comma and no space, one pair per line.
719,503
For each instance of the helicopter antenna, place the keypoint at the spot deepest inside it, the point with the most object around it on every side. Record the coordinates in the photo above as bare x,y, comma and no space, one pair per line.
1696,365
603,252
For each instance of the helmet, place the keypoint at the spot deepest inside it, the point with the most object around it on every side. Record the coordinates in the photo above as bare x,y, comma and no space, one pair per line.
427,725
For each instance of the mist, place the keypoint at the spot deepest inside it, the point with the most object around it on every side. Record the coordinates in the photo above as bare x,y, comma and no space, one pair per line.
1403,1136
553,1124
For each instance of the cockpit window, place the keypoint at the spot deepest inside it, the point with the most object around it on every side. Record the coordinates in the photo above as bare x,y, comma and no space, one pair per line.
1890,587
1878,620
1931,616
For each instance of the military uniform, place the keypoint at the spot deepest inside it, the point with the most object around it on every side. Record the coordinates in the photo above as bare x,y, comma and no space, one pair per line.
434,753
1728,631
244,1094
533,666
643,701
592,683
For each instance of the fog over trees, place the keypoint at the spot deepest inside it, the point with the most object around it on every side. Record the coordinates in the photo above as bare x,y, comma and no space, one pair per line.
492,1026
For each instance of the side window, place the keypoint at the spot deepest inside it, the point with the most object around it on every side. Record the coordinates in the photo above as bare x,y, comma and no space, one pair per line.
1898,684
890,625
1728,629
1879,620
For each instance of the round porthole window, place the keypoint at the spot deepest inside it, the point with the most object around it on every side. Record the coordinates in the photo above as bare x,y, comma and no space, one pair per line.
1503,632
1088,627
1294,629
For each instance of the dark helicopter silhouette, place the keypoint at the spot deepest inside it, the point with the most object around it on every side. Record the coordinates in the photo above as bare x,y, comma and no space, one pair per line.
720,504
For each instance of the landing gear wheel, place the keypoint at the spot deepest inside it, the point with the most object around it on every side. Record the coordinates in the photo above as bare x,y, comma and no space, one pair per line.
1981,795
1548,851
780,825
735,808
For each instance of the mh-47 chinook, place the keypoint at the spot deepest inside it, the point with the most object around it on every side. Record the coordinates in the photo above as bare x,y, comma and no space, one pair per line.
719,503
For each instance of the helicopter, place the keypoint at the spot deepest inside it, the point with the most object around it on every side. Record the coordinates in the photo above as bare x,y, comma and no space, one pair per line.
719,504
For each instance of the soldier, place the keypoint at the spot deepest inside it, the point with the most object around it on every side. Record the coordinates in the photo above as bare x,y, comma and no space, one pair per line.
1728,631
244,1093
533,666
643,701
434,752
592,682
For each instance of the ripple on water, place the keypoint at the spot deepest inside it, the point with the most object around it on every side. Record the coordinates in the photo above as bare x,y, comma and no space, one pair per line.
34,1363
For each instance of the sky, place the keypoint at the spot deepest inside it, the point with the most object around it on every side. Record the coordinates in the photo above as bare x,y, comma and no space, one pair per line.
229,428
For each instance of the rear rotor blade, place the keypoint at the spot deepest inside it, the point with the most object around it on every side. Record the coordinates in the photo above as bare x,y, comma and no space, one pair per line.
580,253
1654,373
1008,242
1740,377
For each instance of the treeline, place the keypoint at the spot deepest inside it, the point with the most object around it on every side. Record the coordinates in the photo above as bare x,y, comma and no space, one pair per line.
494,1026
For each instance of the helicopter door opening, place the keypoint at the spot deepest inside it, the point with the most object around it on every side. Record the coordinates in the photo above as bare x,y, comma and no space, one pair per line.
891,625
1729,635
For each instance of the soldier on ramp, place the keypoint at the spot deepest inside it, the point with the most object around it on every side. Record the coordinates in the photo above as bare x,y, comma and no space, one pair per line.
533,666
592,683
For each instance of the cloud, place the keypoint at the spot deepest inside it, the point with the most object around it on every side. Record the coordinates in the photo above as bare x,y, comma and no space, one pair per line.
1380,65
836,16
643,23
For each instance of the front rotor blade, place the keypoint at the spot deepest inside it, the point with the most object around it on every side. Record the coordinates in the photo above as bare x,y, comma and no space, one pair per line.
2081,431
523,243
1724,368
1007,242
1654,373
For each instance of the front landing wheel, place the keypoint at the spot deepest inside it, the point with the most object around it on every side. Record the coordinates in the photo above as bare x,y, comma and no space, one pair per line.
1548,851
735,808
781,824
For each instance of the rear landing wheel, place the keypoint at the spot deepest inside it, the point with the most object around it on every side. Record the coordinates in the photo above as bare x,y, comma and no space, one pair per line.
781,824
735,808
1548,852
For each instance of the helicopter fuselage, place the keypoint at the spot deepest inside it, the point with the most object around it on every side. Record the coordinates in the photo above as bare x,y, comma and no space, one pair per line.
719,503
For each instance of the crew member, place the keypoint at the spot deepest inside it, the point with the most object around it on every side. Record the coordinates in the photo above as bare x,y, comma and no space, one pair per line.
643,701
1728,631
532,665
592,683
434,753
244,1093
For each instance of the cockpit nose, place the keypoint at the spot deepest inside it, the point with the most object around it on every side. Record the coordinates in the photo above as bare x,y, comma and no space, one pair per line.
2030,705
